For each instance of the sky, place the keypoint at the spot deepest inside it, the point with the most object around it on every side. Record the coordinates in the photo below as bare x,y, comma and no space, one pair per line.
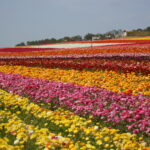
28,20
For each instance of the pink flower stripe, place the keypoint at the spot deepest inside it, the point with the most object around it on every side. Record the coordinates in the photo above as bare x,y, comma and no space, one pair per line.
133,112
100,55
24,49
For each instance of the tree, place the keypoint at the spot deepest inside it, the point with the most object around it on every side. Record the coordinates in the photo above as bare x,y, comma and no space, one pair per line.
66,39
53,40
76,38
148,29
88,36
21,44
139,30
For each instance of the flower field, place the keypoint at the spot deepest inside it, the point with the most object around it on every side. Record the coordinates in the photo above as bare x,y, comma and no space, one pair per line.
89,95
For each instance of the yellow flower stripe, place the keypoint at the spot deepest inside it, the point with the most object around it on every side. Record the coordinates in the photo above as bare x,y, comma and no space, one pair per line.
24,132
76,125
110,80
59,117
5,146
138,38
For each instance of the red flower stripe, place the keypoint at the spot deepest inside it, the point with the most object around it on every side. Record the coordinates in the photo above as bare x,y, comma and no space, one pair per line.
123,65
82,51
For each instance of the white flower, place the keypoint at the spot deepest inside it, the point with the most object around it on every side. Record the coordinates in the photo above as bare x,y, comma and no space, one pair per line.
143,143
19,98
96,127
16,141
59,136
129,134
30,131
49,112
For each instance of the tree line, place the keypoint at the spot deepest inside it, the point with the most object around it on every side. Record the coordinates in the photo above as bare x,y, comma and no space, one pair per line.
89,36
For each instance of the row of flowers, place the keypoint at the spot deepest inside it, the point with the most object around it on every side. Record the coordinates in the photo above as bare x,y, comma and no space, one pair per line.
72,46
131,112
110,80
144,56
92,137
133,48
24,134
100,108
122,40
115,64
24,49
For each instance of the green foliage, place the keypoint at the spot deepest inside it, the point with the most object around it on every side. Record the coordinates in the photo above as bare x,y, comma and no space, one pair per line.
89,36
21,44
140,32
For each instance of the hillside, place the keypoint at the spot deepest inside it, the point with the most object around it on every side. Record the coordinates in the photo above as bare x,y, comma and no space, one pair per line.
138,33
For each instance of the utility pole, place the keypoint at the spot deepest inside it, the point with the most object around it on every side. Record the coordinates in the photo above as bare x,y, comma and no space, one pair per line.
91,42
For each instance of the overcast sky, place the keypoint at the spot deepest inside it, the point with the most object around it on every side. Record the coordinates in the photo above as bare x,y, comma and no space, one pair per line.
26,20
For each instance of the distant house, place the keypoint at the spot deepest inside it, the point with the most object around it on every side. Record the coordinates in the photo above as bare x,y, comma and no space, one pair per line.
121,33
124,33
110,35
95,38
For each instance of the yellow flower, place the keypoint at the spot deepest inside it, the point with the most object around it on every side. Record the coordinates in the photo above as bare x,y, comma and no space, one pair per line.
106,145
106,139
99,142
